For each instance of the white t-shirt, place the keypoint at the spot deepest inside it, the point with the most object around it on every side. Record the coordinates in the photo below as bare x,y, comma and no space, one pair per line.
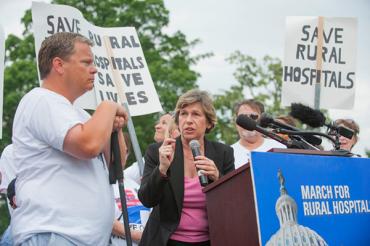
137,213
56,192
133,173
7,171
242,155
7,168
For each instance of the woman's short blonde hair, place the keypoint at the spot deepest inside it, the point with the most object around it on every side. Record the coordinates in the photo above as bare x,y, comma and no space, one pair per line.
194,96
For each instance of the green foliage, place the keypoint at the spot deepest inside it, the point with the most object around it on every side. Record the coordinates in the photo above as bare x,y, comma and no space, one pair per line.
20,75
260,80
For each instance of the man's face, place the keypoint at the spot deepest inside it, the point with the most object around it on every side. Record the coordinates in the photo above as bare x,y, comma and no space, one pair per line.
161,127
79,70
251,136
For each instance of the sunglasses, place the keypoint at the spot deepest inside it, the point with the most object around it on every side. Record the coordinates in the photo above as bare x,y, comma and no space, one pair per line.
253,116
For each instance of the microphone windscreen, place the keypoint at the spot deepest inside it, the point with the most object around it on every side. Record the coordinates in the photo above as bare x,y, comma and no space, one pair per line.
307,115
245,122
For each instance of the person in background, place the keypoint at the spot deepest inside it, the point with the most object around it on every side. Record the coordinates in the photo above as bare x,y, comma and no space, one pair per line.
172,130
137,213
7,170
345,143
60,151
170,182
287,119
133,171
250,140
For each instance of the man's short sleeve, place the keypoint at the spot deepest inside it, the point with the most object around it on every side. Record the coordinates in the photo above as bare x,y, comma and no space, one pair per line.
51,120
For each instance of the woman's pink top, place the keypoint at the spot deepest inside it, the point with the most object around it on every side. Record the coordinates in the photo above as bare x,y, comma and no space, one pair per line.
193,225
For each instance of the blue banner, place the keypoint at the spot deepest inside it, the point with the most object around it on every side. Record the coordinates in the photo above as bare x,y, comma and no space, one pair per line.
312,200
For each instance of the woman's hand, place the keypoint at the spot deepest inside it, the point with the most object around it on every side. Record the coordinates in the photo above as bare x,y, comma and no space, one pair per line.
207,167
166,154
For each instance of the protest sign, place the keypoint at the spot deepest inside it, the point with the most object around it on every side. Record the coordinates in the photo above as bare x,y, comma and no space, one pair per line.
324,58
2,65
127,58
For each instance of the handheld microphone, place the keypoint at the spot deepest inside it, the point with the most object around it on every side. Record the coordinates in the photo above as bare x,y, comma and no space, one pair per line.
195,150
269,121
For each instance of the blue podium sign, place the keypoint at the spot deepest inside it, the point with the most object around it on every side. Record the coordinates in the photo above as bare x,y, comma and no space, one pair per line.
311,200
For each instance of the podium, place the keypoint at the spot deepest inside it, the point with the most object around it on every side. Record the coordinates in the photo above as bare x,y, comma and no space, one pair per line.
318,192
231,209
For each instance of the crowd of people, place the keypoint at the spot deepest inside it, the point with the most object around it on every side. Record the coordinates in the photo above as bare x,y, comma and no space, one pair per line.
56,170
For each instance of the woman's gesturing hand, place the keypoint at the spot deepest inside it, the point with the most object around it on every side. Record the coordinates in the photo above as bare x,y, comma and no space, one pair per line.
166,154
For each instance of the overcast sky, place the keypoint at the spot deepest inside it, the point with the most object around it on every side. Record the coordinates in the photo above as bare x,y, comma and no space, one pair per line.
256,28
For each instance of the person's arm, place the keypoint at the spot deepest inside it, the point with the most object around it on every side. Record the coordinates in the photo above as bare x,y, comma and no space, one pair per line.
119,230
85,141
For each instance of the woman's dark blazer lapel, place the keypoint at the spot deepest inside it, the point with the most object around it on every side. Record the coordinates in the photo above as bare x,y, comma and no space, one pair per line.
177,175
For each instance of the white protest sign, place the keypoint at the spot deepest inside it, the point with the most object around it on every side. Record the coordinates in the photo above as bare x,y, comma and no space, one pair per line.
127,58
337,65
2,63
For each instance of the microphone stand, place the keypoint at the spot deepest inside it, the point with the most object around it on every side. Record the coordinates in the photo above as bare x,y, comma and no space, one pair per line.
309,133
302,143
116,174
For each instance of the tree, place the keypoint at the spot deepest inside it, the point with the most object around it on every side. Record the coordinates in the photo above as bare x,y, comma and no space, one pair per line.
168,56
260,80
20,75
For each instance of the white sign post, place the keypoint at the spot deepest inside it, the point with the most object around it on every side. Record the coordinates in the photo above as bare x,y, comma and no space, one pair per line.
127,57
319,67
2,64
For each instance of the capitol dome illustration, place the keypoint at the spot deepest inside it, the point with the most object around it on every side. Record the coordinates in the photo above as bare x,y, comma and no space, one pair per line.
290,232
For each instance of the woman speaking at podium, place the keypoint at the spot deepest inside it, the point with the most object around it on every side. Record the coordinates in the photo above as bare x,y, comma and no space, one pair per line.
170,182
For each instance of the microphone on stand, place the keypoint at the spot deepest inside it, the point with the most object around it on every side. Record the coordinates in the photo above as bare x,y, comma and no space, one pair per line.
247,123
315,118
195,150
266,121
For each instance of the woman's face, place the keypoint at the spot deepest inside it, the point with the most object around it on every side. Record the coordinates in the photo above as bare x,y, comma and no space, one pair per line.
346,143
251,136
193,122
161,127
